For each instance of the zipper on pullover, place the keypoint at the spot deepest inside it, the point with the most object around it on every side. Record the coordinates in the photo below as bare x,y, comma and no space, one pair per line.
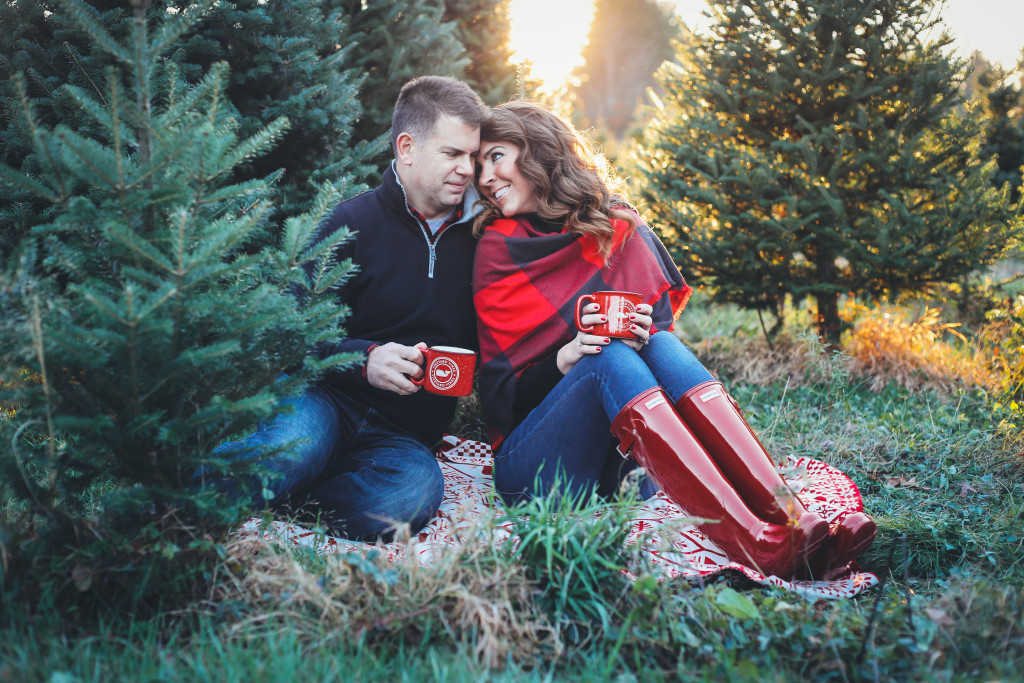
433,258
425,229
431,249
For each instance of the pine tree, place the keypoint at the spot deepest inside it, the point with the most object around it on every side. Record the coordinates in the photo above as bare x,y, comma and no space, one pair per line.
627,42
810,149
484,29
1002,103
146,317
979,70
397,41
39,42
285,59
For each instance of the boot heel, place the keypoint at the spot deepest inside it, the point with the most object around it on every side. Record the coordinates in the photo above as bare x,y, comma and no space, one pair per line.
651,431
715,419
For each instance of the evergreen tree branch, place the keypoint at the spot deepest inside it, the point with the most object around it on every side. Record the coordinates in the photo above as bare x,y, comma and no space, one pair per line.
84,16
94,156
78,63
40,141
28,183
173,26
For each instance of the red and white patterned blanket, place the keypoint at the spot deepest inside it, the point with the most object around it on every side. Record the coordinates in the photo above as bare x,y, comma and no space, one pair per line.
674,548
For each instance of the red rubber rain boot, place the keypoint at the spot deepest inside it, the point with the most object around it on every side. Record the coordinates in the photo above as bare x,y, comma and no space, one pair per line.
652,433
715,419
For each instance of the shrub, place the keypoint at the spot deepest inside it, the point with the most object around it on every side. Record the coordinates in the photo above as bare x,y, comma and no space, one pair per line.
157,317
886,347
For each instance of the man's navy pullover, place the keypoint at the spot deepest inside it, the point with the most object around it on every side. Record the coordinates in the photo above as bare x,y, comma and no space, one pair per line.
409,288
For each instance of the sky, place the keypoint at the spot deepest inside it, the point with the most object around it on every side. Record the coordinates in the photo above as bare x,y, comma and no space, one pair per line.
550,33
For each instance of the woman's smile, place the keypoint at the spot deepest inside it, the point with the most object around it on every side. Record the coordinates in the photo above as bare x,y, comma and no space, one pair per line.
501,180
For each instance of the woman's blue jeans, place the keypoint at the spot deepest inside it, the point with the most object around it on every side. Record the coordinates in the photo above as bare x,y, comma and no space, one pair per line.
565,442
341,463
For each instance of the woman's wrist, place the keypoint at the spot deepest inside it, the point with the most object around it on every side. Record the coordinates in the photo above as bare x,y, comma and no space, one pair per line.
563,359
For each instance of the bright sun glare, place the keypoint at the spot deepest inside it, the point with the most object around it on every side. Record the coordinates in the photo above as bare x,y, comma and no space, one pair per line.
550,36
551,33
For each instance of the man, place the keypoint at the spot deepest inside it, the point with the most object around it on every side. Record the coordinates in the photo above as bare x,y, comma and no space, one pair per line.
364,462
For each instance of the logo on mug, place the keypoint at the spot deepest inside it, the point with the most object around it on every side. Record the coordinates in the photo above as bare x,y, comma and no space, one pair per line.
620,315
444,373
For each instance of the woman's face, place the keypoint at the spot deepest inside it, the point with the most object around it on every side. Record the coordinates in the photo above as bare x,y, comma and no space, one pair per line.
501,182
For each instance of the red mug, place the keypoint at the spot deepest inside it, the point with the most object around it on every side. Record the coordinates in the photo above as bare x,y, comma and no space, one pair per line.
617,307
447,370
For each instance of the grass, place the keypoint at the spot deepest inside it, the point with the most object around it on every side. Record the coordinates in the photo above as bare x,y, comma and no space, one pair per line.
935,461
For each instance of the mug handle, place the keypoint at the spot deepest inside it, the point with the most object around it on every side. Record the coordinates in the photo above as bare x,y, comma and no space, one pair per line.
423,379
580,303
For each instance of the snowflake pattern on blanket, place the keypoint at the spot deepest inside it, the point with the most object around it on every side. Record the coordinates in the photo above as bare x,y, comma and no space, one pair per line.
674,548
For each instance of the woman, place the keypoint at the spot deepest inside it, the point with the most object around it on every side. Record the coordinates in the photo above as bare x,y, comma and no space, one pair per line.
564,404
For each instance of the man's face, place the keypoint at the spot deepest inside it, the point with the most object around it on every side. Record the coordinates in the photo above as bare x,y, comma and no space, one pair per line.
436,172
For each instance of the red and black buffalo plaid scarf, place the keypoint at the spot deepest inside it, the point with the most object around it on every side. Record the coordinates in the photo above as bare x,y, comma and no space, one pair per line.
525,285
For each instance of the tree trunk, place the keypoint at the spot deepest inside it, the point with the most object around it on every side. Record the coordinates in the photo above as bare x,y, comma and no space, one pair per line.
828,318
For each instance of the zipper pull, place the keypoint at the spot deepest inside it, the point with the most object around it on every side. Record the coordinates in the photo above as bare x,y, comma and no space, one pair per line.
433,257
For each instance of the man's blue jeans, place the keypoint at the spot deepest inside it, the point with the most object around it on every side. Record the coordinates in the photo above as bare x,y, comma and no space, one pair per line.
566,442
340,462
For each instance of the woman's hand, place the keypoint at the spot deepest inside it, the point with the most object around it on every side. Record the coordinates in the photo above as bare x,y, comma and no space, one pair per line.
641,327
585,344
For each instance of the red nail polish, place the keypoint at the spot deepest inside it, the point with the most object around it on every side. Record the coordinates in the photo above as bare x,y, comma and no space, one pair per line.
607,340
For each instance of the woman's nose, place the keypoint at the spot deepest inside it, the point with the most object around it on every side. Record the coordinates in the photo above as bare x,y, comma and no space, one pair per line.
486,176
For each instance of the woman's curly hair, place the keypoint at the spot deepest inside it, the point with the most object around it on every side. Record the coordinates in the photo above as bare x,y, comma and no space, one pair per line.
569,184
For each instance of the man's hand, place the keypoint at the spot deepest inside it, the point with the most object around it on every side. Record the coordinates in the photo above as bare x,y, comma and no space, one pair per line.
390,366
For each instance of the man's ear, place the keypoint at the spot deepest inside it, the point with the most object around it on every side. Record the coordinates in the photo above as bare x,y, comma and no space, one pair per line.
404,145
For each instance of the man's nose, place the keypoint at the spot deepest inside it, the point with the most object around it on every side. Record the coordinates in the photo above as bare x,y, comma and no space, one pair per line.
466,166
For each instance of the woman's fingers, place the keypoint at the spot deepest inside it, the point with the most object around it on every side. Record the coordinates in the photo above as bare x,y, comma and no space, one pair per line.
591,343
641,318
583,345
641,328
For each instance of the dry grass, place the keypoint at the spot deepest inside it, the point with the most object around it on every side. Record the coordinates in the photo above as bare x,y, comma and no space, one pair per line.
466,597
796,361
885,346
924,353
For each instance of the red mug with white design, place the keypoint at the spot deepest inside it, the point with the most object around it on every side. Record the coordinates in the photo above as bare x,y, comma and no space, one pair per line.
617,307
447,370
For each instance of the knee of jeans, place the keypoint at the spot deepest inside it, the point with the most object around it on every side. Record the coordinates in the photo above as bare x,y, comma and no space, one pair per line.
614,355
664,341
421,494
670,343
663,337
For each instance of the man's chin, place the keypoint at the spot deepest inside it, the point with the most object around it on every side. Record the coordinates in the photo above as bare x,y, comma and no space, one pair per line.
453,199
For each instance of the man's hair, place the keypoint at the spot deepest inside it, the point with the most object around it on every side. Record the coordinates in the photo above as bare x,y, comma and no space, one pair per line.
422,100
571,183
